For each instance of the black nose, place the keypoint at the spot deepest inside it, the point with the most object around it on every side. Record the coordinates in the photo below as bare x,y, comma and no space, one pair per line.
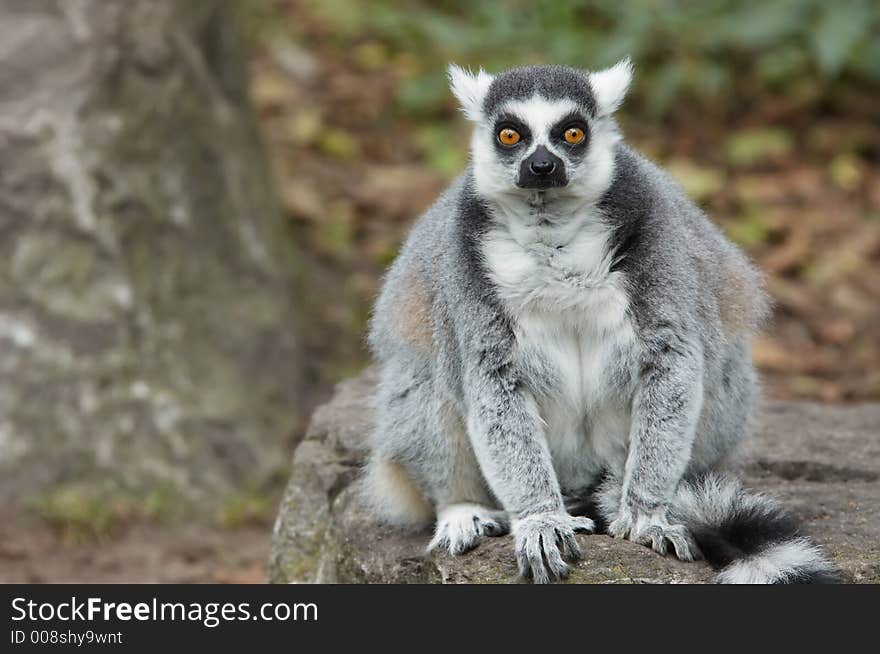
542,170
542,167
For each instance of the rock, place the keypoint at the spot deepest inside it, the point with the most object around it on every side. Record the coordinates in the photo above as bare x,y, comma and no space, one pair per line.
148,338
822,461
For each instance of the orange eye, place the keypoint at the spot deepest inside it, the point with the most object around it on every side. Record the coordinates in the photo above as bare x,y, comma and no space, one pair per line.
574,135
508,136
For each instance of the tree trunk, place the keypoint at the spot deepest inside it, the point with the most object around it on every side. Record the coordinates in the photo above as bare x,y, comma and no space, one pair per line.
147,327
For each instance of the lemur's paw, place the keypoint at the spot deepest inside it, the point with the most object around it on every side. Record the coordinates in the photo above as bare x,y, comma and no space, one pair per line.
652,528
538,539
461,527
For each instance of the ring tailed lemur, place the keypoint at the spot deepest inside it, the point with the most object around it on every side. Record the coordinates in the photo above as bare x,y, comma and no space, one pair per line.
564,329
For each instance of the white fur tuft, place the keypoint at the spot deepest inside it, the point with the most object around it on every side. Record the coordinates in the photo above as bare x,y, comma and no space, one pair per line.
779,563
390,493
610,86
470,89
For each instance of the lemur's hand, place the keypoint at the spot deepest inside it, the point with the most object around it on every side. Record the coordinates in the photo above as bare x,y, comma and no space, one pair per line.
460,527
652,528
538,539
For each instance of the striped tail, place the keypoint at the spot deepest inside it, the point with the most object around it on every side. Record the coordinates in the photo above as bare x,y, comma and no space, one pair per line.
748,535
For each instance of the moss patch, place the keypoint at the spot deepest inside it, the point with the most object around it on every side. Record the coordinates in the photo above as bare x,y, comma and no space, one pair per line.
84,512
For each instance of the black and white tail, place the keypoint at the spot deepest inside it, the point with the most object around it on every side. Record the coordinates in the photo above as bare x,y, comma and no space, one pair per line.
748,535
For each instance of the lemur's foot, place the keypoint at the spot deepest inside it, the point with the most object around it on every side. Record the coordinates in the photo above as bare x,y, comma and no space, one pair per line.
461,527
538,539
652,528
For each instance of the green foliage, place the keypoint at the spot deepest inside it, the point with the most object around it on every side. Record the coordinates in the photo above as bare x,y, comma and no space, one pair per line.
258,20
748,229
246,507
86,511
747,147
78,512
683,50
840,30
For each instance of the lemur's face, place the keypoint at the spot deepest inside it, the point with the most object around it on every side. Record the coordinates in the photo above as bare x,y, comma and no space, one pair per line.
542,128
536,142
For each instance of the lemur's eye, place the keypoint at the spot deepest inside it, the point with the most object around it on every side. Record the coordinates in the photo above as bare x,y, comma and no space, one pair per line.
574,135
508,136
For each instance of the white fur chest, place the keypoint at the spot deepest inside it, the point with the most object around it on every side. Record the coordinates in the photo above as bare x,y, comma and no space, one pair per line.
574,335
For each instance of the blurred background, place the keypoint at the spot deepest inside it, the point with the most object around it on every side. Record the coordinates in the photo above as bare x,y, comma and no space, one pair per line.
768,113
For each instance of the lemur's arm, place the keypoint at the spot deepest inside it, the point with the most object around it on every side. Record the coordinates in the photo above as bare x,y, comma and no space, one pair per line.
508,438
507,435
666,409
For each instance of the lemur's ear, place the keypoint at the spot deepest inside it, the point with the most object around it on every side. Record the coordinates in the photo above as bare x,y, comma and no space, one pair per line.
610,86
470,89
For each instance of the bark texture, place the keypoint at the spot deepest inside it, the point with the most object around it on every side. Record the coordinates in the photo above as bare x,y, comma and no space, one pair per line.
147,323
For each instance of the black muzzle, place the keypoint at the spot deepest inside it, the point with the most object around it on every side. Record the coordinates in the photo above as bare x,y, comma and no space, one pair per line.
541,170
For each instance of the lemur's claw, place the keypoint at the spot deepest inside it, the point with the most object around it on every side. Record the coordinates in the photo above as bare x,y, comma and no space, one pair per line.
461,527
583,525
539,539
651,528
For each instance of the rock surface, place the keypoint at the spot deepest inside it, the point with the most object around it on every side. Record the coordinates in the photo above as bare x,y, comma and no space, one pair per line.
822,461
147,314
